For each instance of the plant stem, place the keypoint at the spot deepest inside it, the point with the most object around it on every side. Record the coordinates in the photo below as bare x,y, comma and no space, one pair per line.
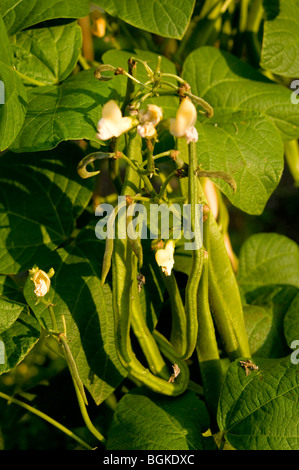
47,418
86,418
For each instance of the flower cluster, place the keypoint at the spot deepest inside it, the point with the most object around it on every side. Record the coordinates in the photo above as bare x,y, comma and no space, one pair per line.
113,124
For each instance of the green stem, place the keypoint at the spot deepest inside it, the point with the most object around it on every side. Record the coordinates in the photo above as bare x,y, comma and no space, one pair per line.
47,418
86,418
53,318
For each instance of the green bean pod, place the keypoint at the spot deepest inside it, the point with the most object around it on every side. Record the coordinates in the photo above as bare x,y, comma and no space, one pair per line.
125,301
207,347
197,259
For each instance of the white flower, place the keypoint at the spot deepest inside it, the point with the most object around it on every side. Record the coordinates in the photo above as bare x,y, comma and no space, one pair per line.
149,118
164,257
41,283
112,124
184,123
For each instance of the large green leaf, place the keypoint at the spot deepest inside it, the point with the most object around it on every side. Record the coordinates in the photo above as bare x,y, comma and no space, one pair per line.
20,14
268,259
12,112
247,147
280,49
76,292
147,421
69,111
226,82
260,411
47,55
41,195
163,17
251,116
18,340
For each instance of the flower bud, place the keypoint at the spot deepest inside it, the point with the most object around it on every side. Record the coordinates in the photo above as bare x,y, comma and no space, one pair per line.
41,282
184,123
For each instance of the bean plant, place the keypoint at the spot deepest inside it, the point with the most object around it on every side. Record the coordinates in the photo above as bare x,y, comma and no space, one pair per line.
133,314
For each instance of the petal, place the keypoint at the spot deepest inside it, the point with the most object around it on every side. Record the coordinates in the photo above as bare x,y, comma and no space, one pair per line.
111,111
105,131
151,115
146,130
122,126
186,117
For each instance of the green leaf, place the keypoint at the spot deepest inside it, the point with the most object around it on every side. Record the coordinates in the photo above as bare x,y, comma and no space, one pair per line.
9,312
41,195
20,14
268,259
147,421
163,17
264,320
251,116
76,292
18,340
14,108
48,55
280,48
260,411
69,111
247,147
226,82
291,321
